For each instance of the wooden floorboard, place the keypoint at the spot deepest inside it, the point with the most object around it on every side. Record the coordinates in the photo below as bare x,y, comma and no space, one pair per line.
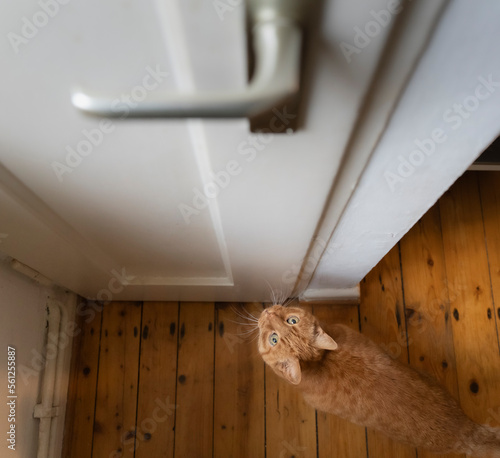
116,399
185,379
427,305
338,437
383,321
239,426
157,380
194,414
78,433
489,185
471,302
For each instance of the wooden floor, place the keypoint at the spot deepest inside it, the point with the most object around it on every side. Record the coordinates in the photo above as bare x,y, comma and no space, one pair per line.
184,380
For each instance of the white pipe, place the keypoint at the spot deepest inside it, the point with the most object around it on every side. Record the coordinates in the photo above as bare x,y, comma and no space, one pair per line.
45,410
59,374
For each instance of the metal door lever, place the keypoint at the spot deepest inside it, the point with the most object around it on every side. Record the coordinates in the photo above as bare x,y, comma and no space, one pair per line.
277,43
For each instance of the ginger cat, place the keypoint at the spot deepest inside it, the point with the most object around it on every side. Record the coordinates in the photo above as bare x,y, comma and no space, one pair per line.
342,372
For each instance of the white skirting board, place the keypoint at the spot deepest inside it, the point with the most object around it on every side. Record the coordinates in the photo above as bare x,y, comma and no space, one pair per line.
485,167
331,294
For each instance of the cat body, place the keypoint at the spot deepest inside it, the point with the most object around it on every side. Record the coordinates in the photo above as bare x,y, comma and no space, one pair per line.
342,372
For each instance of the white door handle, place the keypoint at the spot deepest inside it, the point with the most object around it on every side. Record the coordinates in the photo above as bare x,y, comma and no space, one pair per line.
277,42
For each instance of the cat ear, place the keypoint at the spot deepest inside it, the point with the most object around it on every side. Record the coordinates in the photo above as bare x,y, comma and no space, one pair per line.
323,341
289,369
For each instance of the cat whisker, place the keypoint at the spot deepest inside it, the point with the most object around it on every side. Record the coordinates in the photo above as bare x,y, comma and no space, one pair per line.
282,298
254,338
249,337
248,319
271,291
275,296
289,301
253,325
247,333
279,299
248,316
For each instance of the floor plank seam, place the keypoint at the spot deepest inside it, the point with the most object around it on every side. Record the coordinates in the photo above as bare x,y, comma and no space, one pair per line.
448,300
492,291
366,439
404,303
265,406
215,326
138,380
97,380
176,371
317,438
359,316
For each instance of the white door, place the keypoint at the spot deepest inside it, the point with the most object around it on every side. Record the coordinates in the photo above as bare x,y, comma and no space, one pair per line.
168,209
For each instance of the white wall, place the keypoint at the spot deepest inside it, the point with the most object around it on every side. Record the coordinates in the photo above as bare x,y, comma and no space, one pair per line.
23,326
400,183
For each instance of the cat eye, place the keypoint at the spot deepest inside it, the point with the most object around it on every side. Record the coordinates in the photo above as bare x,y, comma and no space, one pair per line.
273,339
292,319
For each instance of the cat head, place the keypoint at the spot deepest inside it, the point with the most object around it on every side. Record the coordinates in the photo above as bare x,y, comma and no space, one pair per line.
288,335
